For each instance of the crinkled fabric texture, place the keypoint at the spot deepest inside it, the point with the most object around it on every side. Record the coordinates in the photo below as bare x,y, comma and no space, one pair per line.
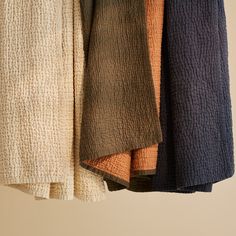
120,113
196,122
42,63
144,160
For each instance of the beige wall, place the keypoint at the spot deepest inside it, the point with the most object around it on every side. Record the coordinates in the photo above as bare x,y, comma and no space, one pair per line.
125,213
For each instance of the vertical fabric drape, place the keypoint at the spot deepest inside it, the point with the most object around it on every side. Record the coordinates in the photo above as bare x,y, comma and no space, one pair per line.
197,148
120,113
41,79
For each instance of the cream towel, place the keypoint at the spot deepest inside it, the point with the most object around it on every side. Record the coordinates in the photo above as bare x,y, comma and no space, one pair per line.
41,56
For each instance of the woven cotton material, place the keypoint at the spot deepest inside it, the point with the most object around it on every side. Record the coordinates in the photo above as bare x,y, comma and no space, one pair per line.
31,148
42,62
144,161
121,114
197,150
119,111
195,73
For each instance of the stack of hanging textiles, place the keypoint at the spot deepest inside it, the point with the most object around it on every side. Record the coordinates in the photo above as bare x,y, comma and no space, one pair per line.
131,93
195,110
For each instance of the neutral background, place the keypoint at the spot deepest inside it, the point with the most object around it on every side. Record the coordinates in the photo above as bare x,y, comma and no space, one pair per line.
125,213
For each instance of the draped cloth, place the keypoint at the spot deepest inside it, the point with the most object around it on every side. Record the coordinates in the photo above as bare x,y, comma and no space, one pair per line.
41,79
195,111
81,96
120,126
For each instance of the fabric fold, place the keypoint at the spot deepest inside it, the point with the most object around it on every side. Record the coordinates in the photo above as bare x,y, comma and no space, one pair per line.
120,106
144,161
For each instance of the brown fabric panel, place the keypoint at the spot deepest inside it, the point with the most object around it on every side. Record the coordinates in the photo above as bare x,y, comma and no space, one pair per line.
119,102
146,158
117,167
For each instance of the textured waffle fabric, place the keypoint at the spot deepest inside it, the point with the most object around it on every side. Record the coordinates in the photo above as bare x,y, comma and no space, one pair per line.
120,111
80,97
144,161
197,148
41,76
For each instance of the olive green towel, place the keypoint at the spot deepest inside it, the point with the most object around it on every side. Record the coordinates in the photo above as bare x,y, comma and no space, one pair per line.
120,111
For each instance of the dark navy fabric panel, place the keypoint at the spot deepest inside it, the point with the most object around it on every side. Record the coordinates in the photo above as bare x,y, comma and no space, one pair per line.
198,145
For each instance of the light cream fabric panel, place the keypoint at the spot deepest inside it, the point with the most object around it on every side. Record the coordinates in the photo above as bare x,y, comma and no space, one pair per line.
41,70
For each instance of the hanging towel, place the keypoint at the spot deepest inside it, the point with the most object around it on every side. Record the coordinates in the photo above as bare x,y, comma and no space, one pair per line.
41,56
197,148
120,113
144,161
